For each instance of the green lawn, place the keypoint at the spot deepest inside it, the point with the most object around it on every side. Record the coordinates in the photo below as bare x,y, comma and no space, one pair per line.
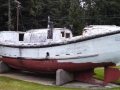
14,84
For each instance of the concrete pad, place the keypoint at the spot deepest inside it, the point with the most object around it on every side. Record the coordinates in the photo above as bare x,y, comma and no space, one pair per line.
31,77
63,77
50,80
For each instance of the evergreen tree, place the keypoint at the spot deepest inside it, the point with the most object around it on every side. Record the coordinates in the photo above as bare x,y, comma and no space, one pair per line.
102,12
75,17
31,13
3,15
34,13
58,10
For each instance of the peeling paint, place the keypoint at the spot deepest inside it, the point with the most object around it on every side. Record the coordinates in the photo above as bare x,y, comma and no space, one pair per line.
92,48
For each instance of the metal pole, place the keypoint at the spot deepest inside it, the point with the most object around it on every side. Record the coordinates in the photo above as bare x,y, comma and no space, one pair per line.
9,15
18,6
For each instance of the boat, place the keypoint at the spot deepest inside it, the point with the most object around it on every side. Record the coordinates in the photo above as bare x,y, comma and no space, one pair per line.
47,50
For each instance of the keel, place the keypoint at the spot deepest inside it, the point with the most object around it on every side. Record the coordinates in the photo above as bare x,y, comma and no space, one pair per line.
111,75
86,76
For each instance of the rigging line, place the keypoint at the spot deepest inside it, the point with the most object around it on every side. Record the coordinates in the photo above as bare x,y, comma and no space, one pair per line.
30,22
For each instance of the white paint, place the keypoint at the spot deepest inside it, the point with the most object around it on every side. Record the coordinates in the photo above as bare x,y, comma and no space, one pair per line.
99,29
40,35
10,36
107,48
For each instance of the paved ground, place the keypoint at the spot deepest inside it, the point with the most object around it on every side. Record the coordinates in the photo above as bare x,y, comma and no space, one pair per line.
50,80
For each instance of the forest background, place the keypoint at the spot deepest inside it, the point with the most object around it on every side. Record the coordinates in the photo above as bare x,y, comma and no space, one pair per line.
71,13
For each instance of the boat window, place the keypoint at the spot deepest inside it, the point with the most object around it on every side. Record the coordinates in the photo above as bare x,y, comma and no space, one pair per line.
62,34
50,34
67,35
21,36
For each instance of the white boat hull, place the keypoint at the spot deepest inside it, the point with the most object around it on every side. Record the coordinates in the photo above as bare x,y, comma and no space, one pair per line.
75,56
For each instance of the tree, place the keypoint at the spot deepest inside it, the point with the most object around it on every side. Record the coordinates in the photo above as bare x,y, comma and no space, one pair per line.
31,12
3,15
75,17
102,11
66,12
34,13
58,10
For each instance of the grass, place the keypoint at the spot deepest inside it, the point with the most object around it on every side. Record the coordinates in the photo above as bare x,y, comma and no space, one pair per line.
14,84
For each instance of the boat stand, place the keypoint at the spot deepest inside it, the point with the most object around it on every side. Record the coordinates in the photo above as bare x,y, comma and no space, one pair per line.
4,67
63,77
110,75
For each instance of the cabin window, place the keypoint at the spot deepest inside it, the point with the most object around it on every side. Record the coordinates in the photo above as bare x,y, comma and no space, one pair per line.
21,37
50,34
62,34
67,35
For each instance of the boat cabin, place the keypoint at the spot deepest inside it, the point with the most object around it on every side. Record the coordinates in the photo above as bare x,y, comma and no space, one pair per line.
55,34
37,35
